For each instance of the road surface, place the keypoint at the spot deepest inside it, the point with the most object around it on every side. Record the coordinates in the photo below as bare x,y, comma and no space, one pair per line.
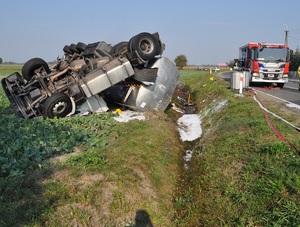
288,93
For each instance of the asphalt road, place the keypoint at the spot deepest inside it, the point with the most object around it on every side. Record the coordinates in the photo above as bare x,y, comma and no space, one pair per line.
288,93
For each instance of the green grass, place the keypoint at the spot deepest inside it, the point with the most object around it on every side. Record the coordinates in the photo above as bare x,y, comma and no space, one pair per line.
92,170
243,174
108,168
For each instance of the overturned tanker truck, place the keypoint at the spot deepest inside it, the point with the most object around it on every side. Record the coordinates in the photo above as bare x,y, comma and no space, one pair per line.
131,73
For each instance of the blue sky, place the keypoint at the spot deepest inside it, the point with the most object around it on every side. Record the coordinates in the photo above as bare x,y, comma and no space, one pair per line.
206,32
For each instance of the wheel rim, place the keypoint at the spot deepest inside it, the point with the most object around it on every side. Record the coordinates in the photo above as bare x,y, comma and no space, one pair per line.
146,46
59,108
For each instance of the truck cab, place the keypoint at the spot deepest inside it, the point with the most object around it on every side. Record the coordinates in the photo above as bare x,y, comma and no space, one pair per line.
266,63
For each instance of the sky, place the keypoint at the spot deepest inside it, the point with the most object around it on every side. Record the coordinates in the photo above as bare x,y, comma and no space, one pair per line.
206,32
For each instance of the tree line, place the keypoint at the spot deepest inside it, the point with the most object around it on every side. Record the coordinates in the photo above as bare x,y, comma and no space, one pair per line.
295,60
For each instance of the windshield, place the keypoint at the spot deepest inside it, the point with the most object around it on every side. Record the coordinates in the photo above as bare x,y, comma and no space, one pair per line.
272,54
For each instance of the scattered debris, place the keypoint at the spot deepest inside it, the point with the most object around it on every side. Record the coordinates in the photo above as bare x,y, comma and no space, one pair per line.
128,115
187,158
182,98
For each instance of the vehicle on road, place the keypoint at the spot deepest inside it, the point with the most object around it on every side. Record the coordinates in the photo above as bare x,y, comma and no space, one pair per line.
265,62
87,77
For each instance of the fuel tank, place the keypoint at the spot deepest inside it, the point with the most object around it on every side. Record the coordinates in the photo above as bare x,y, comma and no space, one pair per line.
155,95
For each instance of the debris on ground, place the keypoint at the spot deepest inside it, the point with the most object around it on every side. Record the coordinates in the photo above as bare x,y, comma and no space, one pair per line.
129,115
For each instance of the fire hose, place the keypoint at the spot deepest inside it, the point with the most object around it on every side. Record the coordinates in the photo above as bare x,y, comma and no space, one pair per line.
275,130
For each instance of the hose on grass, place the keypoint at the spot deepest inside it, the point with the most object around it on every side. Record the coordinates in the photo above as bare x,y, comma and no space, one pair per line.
275,130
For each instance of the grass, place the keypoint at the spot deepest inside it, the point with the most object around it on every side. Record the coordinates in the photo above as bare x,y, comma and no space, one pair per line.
243,174
93,171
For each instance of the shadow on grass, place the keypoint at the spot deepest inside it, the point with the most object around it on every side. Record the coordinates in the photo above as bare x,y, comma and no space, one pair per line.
142,219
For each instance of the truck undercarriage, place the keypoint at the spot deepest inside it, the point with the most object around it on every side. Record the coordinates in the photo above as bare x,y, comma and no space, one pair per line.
131,74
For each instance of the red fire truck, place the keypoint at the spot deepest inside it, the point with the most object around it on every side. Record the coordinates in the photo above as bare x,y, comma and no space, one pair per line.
266,62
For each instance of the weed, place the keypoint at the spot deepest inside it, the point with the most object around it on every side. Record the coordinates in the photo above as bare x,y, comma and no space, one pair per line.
87,159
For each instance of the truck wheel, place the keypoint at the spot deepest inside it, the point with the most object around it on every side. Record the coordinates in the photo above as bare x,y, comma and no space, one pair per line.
280,85
67,50
57,105
146,45
120,47
145,74
30,66
81,46
74,49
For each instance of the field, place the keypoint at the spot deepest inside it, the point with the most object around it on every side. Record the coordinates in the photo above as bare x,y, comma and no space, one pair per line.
6,69
94,171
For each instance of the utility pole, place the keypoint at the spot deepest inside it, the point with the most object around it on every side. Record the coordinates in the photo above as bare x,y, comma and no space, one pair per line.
286,42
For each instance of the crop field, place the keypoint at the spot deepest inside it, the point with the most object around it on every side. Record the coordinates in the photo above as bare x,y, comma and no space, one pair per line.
6,69
94,171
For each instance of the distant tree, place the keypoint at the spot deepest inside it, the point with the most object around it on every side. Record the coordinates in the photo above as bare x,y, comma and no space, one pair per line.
1,60
295,60
181,61
231,63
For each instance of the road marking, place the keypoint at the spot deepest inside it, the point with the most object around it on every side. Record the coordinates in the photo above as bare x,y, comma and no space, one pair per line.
275,115
288,103
273,96
291,87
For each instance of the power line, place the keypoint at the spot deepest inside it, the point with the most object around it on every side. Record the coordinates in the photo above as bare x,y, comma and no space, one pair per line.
294,30
294,37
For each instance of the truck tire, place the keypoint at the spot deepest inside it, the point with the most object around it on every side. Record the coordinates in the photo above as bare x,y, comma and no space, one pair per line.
58,105
30,66
81,46
74,49
118,48
67,50
146,45
280,85
145,74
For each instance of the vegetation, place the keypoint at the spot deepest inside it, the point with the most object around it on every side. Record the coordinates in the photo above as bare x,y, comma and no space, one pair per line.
86,170
295,60
241,174
181,61
92,170
6,69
